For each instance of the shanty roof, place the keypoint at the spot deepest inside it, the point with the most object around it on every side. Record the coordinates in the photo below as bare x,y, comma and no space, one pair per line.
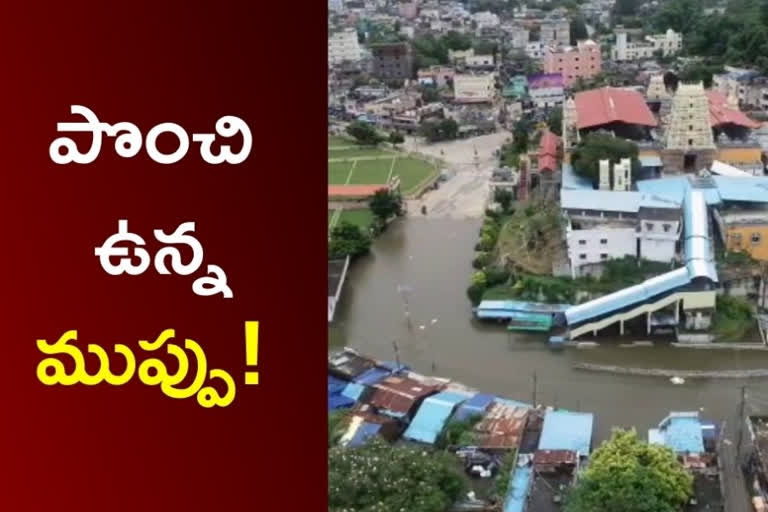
349,364
680,431
564,430
609,105
474,406
553,457
432,415
721,113
502,427
398,394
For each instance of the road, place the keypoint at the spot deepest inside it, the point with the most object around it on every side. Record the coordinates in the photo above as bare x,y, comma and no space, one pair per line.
468,165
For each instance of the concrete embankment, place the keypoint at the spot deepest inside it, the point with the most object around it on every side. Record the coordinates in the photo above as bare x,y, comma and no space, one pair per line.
663,372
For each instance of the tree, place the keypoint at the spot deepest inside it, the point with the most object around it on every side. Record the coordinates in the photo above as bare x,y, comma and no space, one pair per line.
445,129
364,133
377,477
430,94
385,205
396,138
555,121
504,197
337,425
578,29
599,146
632,476
626,7
348,240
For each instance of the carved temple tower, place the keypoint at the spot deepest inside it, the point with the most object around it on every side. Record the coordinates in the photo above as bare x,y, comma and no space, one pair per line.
689,144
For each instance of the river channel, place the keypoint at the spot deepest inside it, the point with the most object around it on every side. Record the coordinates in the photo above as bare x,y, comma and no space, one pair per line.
431,258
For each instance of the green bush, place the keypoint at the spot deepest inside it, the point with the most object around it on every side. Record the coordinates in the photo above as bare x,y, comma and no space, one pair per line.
481,260
733,318
496,276
475,293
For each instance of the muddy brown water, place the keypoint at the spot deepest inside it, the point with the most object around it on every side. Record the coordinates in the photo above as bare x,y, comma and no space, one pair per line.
432,258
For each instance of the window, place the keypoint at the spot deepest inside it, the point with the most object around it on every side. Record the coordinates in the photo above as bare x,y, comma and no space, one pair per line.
603,256
582,256
690,127
667,227
582,242
603,241
649,226
755,238
690,142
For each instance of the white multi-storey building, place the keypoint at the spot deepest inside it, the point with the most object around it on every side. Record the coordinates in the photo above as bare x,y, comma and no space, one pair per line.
343,46
614,222
669,43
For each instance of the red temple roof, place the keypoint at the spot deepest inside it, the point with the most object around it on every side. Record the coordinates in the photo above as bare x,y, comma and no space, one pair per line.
721,113
609,105
548,150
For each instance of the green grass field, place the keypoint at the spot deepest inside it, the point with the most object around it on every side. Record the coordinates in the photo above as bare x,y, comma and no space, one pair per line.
361,217
413,172
355,152
339,141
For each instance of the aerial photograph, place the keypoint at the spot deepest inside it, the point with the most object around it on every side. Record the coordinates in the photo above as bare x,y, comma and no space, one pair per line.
546,266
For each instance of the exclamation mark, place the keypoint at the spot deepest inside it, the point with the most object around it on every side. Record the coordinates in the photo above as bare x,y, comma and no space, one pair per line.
251,350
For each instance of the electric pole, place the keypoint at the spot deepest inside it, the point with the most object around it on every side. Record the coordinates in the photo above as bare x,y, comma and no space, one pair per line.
534,389
397,354
741,421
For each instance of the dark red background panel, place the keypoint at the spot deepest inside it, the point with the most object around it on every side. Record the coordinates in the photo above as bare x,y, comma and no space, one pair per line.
131,447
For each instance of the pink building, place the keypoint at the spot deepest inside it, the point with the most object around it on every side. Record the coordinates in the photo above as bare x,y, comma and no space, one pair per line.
583,61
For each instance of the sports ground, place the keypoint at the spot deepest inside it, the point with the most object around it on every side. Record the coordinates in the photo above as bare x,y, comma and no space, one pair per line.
349,164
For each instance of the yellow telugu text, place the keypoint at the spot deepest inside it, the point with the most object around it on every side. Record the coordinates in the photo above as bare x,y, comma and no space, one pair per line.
152,372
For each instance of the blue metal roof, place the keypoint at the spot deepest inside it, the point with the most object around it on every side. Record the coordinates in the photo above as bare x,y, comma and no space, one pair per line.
604,200
393,366
364,432
372,376
567,431
337,401
753,189
573,181
478,404
519,487
353,390
521,306
432,415
335,385
680,431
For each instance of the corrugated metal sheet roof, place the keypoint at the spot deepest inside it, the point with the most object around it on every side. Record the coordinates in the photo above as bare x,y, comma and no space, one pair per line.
398,394
567,431
335,385
338,401
353,390
680,431
572,181
721,113
517,496
607,105
522,306
363,433
754,189
604,200
554,457
514,403
502,427
372,376
432,415
724,169
349,363
476,405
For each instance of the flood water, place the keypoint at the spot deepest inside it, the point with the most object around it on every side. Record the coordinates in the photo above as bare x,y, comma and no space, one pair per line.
432,258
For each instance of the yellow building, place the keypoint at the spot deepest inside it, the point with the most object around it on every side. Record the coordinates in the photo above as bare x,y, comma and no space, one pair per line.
744,231
740,156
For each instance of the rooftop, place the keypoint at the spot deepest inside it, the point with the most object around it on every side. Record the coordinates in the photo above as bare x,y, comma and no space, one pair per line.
680,431
721,113
502,427
398,394
432,415
609,105
565,430
545,80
